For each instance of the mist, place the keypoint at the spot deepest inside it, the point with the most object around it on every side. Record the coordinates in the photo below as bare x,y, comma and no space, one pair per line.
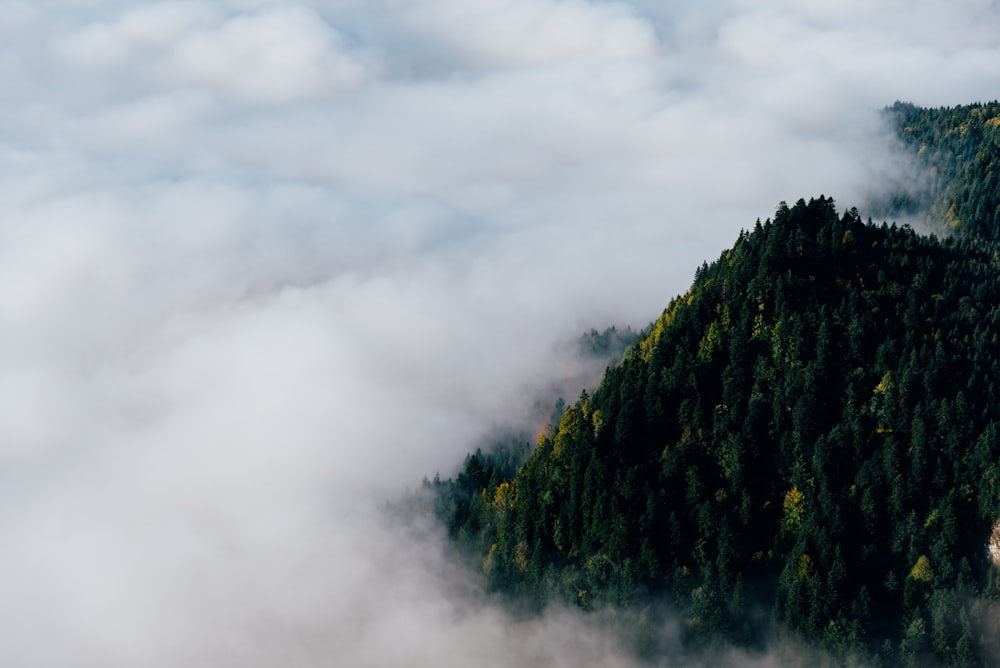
266,265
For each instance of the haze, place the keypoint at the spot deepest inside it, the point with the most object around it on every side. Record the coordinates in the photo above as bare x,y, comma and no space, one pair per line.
266,265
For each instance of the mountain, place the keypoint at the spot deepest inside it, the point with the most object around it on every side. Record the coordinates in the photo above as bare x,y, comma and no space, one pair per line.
805,443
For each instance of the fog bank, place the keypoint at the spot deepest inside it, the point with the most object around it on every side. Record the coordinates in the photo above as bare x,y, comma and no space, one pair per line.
266,264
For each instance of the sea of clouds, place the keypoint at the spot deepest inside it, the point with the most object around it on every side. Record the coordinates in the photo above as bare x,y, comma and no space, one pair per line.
264,265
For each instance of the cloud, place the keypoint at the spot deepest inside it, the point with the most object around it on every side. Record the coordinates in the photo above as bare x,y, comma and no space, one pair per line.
265,265
272,56
529,32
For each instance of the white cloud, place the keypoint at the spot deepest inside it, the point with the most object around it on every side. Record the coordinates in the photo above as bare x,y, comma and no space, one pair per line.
265,264
118,40
269,54
275,55
530,32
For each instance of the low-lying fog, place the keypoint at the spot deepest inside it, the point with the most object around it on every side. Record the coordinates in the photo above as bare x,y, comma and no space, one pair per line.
264,265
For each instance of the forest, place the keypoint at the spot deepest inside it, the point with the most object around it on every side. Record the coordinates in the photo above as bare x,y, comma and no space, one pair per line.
956,151
804,444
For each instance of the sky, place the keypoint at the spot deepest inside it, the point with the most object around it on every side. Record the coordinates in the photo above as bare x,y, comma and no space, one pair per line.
264,265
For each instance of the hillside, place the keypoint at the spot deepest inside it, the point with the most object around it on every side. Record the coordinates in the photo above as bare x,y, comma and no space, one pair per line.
805,442
956,151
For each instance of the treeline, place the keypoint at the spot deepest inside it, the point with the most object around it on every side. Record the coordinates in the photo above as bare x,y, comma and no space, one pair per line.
808,440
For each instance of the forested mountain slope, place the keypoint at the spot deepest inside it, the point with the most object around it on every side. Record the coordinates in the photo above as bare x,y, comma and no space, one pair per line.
808,440
957,152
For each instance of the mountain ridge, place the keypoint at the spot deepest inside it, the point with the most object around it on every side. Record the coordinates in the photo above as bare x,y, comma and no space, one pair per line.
806,440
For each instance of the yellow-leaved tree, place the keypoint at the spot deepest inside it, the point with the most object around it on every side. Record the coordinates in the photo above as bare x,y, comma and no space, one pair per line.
794,507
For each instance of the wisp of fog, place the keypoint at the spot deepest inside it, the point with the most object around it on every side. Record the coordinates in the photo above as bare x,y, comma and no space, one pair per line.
264,265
